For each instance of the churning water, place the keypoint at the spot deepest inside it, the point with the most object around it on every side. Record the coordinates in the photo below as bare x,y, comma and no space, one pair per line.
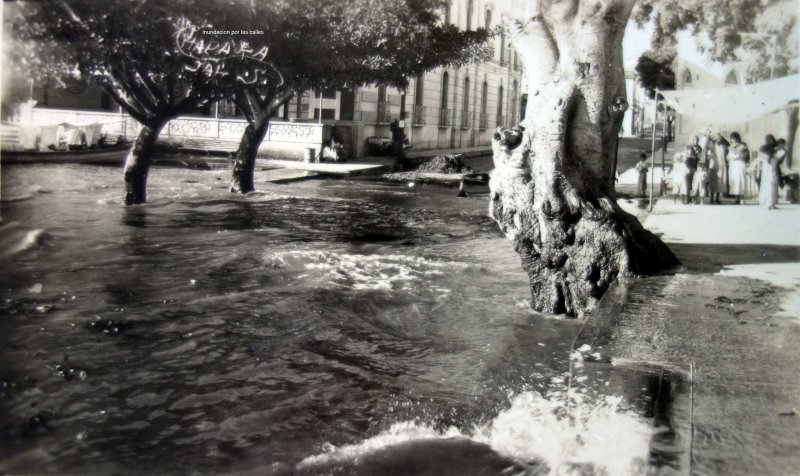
322,327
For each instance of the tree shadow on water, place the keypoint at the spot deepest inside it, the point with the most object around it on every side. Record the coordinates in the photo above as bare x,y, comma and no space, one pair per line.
134,217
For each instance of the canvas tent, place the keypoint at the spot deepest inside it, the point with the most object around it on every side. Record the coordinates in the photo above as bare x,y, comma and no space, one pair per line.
735,104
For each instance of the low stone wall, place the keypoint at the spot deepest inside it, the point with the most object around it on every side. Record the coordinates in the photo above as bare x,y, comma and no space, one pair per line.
283,140
291,139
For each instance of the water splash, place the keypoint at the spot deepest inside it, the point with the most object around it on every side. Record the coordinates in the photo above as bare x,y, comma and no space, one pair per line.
16,238
361,272
561,431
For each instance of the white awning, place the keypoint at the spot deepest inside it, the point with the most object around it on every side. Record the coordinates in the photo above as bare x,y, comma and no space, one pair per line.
735,104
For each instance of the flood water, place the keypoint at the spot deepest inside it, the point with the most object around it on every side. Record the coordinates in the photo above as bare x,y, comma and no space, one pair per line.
330,326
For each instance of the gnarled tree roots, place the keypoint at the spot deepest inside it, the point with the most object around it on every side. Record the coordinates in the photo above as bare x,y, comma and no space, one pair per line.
572,244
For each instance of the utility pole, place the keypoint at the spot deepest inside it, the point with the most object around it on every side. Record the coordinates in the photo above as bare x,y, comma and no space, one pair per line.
653,150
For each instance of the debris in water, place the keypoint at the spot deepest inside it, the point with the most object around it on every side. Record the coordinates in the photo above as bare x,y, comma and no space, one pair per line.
35,289
793,412
70,374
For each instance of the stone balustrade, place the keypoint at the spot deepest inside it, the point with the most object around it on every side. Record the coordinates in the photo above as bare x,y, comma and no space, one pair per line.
284,139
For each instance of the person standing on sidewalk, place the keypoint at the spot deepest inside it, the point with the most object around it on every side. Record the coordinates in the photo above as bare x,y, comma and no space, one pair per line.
398,148
721,151
738,156
712,169
641,169
691,160
768,190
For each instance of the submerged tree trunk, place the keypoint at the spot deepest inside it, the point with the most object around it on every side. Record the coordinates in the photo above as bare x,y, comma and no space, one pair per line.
552,187
137,165
244,162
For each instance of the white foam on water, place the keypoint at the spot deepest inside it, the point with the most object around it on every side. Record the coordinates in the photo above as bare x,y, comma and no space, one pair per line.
597,435
363,272
15,239
576,438
399,433
525,304
784,275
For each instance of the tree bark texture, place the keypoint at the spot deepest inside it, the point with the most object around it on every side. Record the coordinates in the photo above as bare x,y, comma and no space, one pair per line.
137,165
244,161
552,186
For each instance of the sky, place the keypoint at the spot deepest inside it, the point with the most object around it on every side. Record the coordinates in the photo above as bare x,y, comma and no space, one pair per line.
635,43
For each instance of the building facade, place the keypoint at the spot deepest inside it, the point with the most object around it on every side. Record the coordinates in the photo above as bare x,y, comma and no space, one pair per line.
690,75
441,109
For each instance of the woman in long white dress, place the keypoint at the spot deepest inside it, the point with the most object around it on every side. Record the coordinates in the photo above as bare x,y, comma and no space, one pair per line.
768,190
738,156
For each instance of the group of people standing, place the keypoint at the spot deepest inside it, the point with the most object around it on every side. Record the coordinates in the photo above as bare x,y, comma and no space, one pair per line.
712,166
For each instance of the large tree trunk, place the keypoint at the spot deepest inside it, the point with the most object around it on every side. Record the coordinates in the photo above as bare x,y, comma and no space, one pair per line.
137,165
244,162
552,187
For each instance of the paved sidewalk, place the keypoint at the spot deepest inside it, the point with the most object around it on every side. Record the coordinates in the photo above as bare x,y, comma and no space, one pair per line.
720,336
364,166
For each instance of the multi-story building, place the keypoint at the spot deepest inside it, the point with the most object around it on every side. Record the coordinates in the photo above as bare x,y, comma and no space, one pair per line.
442,108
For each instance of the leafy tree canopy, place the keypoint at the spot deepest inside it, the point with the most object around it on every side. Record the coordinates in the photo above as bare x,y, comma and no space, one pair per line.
126,48
655,70
739,30
334,43
778,21
155,56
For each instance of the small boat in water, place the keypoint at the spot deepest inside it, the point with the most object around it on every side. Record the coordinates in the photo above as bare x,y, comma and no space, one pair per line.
112,155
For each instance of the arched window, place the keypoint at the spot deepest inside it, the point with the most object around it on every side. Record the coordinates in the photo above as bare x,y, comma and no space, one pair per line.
500,120
513,118
470,5
383,105
687,77
447,12
731,78
466,94
419,90
484,119
445,84
488,21
484,96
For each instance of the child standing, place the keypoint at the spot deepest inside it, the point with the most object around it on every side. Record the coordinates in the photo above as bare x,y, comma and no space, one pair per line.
641,168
